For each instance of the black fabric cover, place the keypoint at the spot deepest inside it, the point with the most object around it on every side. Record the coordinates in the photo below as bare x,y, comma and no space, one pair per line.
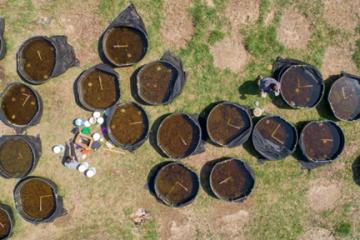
36,119
281,65
35,145
176,86
197,146
345,75
270,150
130,147
310,164
59,209
77,85
2,40
127,18
65,57
240,139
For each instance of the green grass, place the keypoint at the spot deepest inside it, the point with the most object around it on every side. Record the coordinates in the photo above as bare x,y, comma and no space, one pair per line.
356,56
343,229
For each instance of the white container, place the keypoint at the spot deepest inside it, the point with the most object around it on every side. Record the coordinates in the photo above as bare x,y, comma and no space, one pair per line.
100,120
58,149
96,115
90,172
96,136
92,120
78,122
87,124
83,167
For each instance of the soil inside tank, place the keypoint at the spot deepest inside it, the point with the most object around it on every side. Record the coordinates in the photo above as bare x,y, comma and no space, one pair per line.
174,184
5,224
277,131
231,180
175,135
345,98
99,89
124,45
127,124
226,122
321,141
16,158
19,104
300,88
39,59
37,199
155,81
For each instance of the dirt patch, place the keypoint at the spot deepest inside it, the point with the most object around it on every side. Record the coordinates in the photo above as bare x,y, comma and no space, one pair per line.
338,58
210,3
177,27
317,234
242,12
230,53
82,28
344,14
294,30
232,226
182,231
323,195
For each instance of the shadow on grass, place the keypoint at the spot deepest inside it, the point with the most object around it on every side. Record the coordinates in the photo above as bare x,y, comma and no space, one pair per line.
356,171
249,87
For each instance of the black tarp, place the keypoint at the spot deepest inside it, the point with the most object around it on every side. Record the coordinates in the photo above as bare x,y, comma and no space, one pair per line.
175,87
127,18
64,54
2,40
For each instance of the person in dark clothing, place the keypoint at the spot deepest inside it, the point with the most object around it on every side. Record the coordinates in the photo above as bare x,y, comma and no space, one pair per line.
70,159
269,85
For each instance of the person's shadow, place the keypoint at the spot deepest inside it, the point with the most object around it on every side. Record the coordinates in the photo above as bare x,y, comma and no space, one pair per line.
249,87
356,171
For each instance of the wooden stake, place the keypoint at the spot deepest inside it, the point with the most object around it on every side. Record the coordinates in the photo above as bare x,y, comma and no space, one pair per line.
121,46
225,180
41,198
183,141
307,86
135,123
177,183
343,92
2,225
233,126
38,53
26,99
100,82
326,140
274,132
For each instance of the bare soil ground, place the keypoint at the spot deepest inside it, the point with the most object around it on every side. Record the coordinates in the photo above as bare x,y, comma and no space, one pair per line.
344,14
318,234
242,12
294,30
230,53
177,27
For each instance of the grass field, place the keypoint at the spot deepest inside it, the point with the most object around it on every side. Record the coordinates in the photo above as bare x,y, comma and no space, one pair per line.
287,203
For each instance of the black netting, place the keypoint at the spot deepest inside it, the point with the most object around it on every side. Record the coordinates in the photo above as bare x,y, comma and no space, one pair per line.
127,18
175,87
142,138
77,86
58,212
2,40
65,57
35,120
35,145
